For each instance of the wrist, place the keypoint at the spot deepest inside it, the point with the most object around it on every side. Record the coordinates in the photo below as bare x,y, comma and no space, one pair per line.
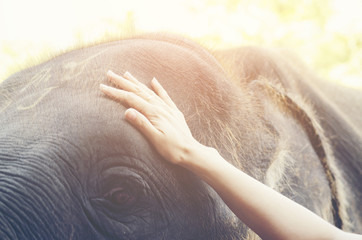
189,153
196,157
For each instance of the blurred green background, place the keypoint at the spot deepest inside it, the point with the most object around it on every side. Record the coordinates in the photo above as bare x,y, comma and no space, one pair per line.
326,34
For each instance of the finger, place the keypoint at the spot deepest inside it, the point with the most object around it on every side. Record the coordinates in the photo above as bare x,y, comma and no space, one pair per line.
121,82
130,77
139,121
127,98
131,84
161,92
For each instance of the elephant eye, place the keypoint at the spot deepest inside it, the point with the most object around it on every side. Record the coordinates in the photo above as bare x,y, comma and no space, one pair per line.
119,196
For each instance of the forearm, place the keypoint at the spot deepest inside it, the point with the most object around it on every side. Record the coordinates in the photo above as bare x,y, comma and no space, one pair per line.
265,211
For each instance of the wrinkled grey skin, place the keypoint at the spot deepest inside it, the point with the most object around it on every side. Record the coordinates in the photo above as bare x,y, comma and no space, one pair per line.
72,168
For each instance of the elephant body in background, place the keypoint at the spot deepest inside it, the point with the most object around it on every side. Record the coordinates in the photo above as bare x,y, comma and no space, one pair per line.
72,168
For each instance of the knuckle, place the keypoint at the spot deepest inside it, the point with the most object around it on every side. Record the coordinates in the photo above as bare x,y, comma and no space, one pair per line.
132,96
150,98
153,115
129,97
157,110
118,95
138,90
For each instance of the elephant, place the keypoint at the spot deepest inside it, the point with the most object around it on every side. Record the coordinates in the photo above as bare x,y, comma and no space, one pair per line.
71,167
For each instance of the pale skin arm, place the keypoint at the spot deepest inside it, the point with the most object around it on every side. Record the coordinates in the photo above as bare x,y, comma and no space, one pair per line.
265,211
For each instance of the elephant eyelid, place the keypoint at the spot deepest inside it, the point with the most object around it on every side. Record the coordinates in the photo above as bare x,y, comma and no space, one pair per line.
120,196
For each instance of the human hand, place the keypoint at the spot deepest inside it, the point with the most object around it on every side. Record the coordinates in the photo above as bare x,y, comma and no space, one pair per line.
154,114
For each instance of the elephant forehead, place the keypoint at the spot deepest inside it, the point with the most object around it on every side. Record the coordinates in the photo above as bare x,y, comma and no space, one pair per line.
61,97
76,75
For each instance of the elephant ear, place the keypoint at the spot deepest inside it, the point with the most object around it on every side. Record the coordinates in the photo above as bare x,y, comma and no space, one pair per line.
249,63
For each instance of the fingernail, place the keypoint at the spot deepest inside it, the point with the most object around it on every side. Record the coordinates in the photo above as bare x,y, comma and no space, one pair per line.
126,73
109,72
104,87
130,114
154,81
